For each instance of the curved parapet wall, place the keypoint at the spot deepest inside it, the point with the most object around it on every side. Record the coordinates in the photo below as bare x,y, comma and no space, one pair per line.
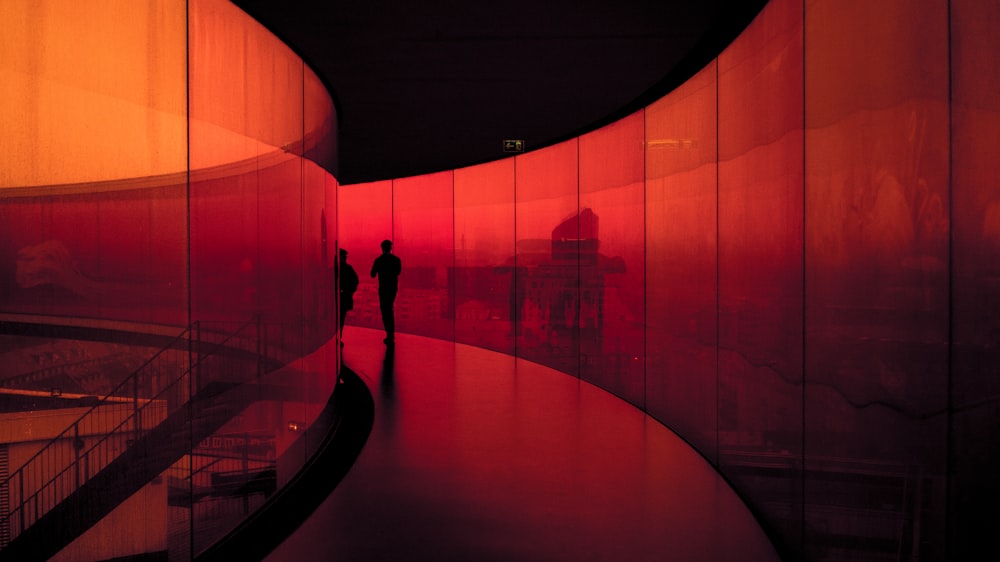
166,164
789,260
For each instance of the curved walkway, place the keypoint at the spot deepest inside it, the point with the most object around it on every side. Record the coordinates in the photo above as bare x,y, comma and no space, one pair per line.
476,455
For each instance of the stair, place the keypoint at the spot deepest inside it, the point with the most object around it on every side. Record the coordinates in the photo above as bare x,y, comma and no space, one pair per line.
228,387
138,465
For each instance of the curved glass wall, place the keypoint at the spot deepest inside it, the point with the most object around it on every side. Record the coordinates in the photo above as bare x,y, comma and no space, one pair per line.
168,219
788,260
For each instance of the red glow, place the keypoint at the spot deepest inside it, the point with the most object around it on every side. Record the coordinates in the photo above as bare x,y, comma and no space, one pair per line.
790,259
760,242
484,255
547,293
423,235
681,259
612,260
365,220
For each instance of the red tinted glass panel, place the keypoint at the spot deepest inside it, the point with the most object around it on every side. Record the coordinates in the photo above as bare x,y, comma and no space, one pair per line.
364,220
484,255
424,234
547,266
142,236
317,270
224,247
280,259
103,254
760,259
680,260
611,256
21,288
877,275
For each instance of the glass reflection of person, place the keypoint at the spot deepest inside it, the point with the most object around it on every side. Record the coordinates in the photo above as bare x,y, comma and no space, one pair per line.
348,285
387,268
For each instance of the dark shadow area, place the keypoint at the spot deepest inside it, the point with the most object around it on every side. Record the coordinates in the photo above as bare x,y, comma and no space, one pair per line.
386,382
156,337
612,58
57,329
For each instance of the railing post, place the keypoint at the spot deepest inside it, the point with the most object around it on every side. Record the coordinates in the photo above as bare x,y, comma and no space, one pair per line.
193,361
196,368
135,408
246,472
20,498
76,452
260,349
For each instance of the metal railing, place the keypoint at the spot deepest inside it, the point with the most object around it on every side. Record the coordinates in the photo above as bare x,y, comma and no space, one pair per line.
205,357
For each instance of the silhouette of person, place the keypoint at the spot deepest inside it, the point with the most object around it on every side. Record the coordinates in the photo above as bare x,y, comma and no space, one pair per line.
348,285
387,267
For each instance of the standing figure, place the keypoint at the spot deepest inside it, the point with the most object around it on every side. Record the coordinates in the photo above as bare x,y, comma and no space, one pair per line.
348,285
387,267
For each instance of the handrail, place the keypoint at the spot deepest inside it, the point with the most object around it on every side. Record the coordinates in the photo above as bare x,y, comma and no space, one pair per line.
123,407
108,397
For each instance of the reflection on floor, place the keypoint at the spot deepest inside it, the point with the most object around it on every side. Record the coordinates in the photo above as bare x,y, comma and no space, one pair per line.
475,455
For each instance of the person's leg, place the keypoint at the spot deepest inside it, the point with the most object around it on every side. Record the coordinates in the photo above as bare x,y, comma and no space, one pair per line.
391,326
385,306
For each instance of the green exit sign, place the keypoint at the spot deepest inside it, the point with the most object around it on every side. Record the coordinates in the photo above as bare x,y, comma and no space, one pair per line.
513,145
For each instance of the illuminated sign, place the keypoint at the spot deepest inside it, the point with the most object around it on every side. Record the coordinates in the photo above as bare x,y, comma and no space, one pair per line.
513,145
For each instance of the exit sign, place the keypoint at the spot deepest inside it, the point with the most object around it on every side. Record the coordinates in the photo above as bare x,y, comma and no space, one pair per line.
513,145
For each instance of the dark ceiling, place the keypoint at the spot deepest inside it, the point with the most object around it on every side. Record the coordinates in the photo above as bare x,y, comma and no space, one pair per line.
429,85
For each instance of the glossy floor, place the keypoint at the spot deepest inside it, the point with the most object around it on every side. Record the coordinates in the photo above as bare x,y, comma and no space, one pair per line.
476,455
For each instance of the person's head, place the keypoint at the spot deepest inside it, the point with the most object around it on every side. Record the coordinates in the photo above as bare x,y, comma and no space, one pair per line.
343,254
386,246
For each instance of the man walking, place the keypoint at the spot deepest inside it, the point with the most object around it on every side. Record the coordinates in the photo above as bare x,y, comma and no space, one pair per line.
387,268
